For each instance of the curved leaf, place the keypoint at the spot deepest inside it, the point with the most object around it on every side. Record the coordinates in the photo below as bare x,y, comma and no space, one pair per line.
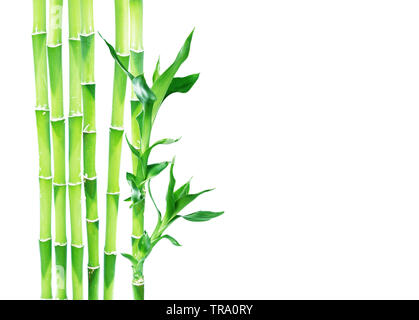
154,203
201,216
182,85
163,82
143,91
156,73
170,199
131,258
170,238
162,141
133,149
156,168
187,199
115,56
183,190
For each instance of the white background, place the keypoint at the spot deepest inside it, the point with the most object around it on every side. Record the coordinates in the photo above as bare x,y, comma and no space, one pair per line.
305,118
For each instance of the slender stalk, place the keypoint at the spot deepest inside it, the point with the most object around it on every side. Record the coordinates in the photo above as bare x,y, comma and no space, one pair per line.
75,139
136,68
58,141
39,40
88,85
115,143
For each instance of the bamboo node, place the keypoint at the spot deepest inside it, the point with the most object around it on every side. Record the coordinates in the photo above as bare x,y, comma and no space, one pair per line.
92,221
88,83
56,45
45,240
57,119
136,237
93,268
87,34
138,282
60,244
71,184
45,178
116,128
113,193
38,32
136,51
90,179
113,253
56,184
43,107
78,246
75,115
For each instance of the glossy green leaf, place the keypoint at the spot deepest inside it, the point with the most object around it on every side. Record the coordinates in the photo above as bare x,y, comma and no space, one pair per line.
183,190
156,73
170,238
130,258
116,58
170,198
136,194
134,150
140,121
156,168
201,216
182,85
143,91
187,199
163,82
159,142
144,245
155,204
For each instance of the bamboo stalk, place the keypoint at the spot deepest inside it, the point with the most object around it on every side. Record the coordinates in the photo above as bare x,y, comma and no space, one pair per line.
136,68
116,132
39,39
58,142
87,37
75,139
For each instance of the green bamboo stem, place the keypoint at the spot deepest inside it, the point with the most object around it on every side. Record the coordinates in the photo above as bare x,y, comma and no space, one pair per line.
75,139
136,68
89,145
115,143
39,40
58,142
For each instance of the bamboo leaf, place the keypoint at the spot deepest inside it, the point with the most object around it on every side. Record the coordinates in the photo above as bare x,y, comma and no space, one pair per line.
170,199
201,216
163,82
154,203
182,85
156,168
136,195
116,58
156,73
187,199
170,238
183,190
134,150
143,91
162,141
144,245
131,258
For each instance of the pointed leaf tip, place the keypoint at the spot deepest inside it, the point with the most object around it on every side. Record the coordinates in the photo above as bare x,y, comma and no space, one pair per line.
201,216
